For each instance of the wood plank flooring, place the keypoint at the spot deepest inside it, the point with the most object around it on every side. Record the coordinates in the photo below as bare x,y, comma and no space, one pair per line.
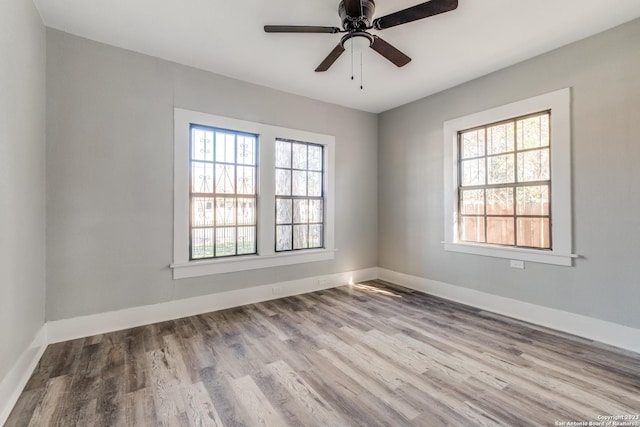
371,354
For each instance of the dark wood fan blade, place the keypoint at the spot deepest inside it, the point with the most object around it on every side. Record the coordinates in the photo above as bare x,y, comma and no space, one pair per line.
420,11
353,8
300,29
329,60
389,52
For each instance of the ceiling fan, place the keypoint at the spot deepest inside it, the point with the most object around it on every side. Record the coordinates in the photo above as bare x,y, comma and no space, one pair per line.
357,19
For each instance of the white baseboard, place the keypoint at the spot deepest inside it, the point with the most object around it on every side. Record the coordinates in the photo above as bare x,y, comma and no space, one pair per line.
78,327
14,382
610,333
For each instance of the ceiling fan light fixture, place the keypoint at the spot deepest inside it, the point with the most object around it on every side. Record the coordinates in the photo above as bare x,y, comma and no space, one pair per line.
358,41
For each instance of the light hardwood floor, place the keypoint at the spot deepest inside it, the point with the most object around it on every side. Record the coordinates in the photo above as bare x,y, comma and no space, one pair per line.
362,355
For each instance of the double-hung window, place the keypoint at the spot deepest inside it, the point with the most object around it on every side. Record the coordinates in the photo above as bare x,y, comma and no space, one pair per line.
223,193
504,183
507,181
249,195
299,195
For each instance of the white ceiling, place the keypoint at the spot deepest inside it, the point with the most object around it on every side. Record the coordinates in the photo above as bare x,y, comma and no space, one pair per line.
226,37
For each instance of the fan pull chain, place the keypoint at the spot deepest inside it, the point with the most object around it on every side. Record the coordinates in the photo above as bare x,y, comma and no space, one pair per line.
351,58
361,68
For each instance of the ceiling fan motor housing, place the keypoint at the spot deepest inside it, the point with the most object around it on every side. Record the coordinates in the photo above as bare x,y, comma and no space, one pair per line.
357,23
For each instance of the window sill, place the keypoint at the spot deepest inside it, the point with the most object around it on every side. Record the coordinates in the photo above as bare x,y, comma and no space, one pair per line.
248,262
520,254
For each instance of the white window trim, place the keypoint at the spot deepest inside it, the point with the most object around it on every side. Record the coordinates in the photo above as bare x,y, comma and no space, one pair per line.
266,256
559,102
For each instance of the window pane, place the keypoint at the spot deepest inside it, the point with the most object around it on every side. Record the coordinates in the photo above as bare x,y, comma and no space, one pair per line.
283,238
300,211
545,134
315,236
283,182
472,202
225,241
299,185
533,165
533,200
246,176
500,231
500,138
473,172
501,169
299,156
472,143
533,132
283,154
225,147
201,243
225,178
534,232
225,211
284,211
500,201
246,240
201,177
472,228
246,211
300,236
201,211
201,144
315,211
315,184
315,157
246,150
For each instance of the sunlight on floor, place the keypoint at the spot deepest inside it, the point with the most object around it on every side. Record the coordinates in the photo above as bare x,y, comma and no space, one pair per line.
373,290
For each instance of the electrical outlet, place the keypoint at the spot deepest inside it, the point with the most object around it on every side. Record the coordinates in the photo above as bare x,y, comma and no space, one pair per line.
276,290
322,282
516,264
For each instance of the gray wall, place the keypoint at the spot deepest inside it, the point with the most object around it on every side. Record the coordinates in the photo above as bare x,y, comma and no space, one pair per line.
22,187
110,175
603,72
